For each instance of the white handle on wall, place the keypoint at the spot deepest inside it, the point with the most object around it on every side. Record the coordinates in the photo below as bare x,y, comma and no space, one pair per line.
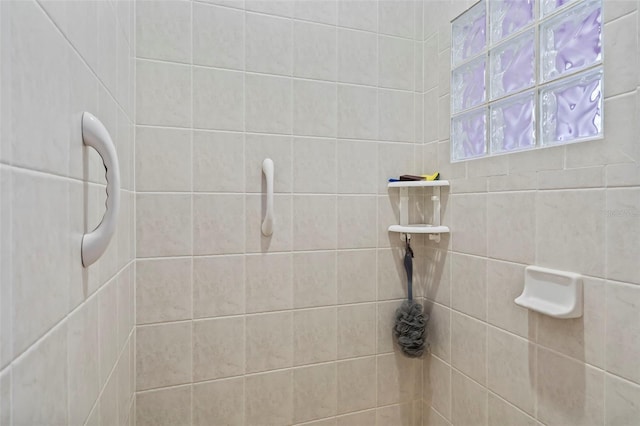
95,135
267,223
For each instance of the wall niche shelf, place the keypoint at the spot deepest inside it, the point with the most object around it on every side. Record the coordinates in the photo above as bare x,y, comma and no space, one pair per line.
433,229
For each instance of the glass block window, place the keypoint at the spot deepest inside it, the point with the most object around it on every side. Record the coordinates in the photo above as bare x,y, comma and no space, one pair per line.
525,75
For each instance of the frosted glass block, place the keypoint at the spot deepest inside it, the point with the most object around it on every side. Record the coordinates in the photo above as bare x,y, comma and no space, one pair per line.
513,65
468,85
508,16
571,109
572,40
469,34
468,135
512,124
548,6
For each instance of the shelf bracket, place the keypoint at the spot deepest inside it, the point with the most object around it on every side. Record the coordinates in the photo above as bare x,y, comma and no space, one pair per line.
435,201
404,206
404,211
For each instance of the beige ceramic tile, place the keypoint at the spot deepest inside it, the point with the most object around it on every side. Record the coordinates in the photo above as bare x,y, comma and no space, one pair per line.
218,224
314,335
163,159
405,414
218,286
269,396
268,282
269,44
164,407
315,109
218,402
163,107
622,341
216,159
469,222
469,401
357,216
314,277
356,384
218,103
469,346
501,412
163,31
622,401
511,369
505,282
469,285
82,365
163,225
163,290
163,355
569,392
357,57
309,174
439,330
222,340
41,375
571,231
356,276
315,392
314,51
511,225
399,378
356,326
269,341
314,222
623,234
362,418
218,36
437,385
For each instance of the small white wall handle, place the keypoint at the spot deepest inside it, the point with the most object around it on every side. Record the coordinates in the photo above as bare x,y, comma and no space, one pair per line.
95,135
267,223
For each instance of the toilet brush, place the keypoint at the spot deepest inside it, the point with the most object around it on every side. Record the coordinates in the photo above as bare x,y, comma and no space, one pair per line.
409,328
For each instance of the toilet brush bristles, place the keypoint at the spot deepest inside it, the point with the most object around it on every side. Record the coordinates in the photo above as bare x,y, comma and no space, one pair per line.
409,328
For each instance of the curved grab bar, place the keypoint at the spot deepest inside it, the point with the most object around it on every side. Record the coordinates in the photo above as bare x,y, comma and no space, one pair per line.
95,135
267,223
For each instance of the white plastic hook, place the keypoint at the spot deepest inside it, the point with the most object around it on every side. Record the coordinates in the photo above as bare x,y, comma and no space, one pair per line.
267,223
95,135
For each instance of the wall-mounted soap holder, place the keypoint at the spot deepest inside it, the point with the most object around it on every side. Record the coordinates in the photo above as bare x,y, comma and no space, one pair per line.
551,292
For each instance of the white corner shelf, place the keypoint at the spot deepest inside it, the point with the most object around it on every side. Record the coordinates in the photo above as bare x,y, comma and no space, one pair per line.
418,183
419,228
433,229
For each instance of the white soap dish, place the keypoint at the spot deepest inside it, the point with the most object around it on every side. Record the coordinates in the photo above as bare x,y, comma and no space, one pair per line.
550,292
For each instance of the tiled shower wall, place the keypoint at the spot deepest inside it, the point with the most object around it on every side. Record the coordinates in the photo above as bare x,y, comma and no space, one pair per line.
66,332
233,327
575,208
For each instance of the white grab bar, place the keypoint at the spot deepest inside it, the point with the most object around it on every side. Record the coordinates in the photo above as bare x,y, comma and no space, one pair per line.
267,223
95,135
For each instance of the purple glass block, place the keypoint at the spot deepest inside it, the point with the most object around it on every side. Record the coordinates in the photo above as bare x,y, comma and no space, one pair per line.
513,65
508,16
469,34
572,109
513,124
468,85
572,40
549,6
468,135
